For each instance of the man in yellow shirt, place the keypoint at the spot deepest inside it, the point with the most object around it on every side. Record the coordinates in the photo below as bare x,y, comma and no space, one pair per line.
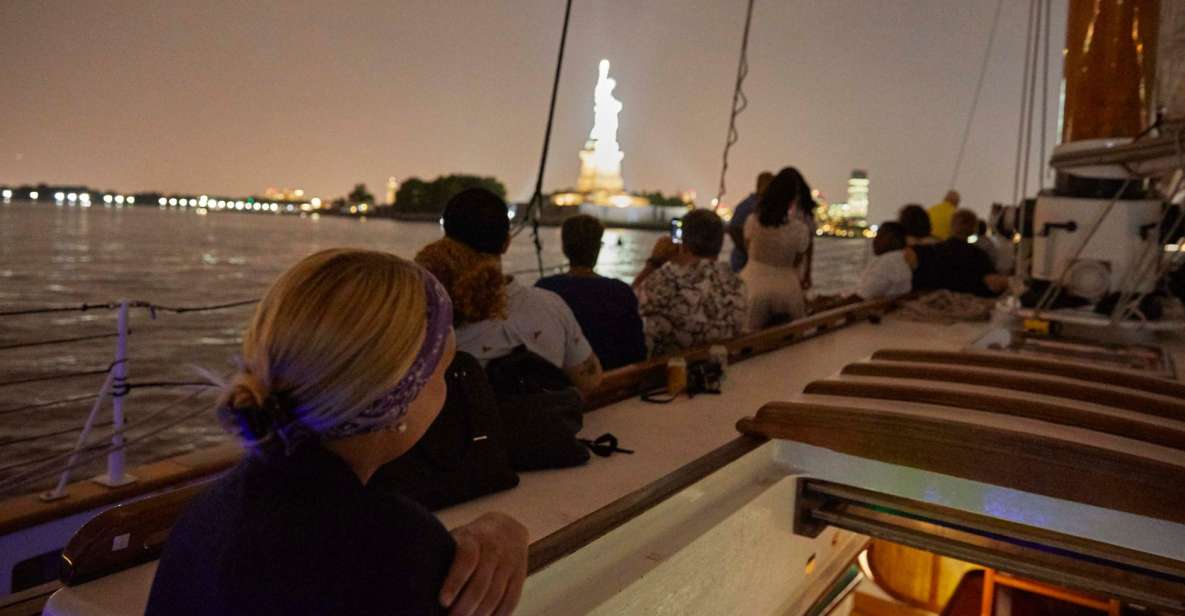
940,215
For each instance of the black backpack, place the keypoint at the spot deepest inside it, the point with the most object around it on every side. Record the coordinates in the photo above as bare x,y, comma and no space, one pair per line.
463,455
541,411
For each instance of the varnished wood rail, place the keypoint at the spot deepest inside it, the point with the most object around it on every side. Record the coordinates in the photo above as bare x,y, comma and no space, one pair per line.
1119,397
1018,460
1005,403
1040,365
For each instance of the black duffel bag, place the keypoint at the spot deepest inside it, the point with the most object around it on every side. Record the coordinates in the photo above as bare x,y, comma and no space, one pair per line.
541,411
463,455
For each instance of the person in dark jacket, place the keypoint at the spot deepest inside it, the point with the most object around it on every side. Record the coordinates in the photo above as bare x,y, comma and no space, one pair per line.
606,308
342,371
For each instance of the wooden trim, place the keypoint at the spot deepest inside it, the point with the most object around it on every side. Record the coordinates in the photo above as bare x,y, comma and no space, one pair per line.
1069,471
25,511
625,382
1061,594
1064,414
601,522
143,524
28,602
1054,367
989,593
1132,400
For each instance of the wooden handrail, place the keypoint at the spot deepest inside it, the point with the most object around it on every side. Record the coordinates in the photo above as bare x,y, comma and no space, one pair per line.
1056,367
625,382
1130,399
124,536
1067,413
1068,470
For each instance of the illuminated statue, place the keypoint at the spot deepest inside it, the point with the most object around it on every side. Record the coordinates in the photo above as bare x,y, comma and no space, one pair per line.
600,161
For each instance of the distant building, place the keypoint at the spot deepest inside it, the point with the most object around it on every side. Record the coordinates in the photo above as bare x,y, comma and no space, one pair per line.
858,194
392,190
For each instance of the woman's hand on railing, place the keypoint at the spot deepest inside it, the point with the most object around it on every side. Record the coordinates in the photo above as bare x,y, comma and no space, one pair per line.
489,568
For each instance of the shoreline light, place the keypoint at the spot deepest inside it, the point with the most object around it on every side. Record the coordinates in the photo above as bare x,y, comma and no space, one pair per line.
7,193
33,195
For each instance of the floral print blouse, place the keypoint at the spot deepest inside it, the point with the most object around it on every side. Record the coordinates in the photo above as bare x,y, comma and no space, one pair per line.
690,305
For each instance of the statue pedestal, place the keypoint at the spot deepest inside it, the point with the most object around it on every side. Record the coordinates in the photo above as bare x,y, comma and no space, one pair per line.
597,174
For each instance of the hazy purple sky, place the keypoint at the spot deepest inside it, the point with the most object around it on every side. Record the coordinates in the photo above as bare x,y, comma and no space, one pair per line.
225,96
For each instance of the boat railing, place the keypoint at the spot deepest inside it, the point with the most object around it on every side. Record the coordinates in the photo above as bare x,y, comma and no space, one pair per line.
115,387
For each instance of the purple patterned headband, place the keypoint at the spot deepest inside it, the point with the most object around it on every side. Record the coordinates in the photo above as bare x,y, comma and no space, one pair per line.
393,405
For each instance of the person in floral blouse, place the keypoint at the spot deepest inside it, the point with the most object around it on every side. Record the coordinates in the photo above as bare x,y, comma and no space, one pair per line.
687,298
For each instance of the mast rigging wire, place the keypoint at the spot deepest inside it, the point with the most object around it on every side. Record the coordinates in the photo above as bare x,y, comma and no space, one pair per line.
739,103
151,307
987,54
1024,97
1032,72
535,207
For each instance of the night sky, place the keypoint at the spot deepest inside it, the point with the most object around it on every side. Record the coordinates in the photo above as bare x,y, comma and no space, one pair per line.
231,97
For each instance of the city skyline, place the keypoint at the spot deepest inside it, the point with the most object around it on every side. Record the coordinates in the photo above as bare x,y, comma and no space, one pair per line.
215,98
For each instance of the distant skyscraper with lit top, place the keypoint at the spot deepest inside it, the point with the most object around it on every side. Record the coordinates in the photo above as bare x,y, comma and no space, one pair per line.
858,194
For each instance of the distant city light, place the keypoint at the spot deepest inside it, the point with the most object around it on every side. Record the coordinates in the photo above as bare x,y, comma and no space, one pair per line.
107,199
7,194
316,202
119,199
85,197
72,197
172,200
33,195
131,199
58,196
363,207
290,207
162,201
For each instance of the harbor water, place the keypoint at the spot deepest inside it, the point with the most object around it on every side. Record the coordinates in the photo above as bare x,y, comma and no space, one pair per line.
61,256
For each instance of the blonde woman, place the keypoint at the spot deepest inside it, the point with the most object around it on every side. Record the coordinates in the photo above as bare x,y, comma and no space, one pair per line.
342,371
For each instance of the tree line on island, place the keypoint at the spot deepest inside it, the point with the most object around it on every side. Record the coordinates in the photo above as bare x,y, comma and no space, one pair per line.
417,198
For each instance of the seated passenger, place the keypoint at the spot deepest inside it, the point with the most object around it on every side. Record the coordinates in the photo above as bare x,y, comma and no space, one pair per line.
954,264
888,275
606,308
495,313
917,225
997,243
963,224
940,215
686,297
342,371
776,241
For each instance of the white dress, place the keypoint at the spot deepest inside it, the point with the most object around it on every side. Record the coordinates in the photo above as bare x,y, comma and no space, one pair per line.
770,275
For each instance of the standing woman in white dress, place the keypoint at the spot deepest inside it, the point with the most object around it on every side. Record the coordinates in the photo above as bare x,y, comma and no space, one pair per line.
776,242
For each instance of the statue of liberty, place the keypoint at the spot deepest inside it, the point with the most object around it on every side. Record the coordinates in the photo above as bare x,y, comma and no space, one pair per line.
601,158
605,110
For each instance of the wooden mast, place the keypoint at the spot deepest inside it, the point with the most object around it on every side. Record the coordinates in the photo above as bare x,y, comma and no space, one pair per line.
1110,68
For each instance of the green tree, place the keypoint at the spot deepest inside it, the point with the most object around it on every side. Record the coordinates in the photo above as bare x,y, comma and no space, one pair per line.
416,195
360,195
